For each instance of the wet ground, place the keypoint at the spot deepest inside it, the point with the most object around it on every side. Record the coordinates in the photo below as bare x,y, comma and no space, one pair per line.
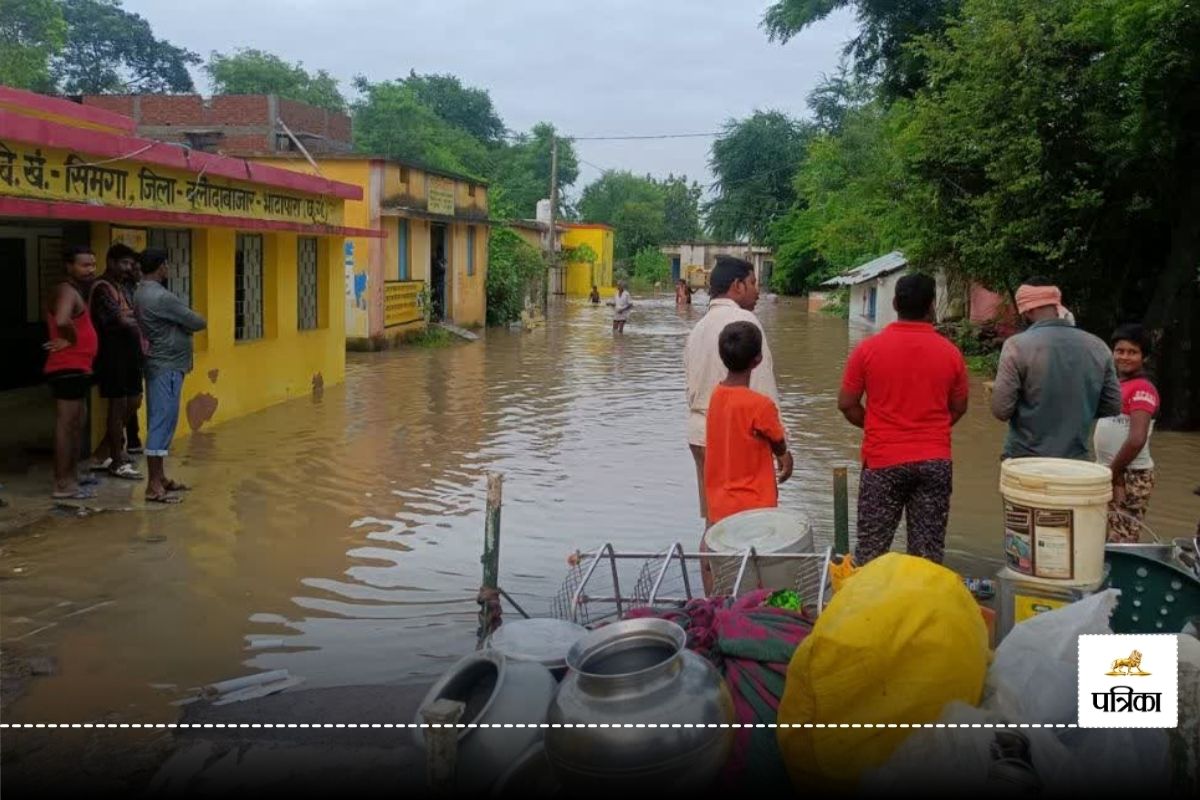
338,537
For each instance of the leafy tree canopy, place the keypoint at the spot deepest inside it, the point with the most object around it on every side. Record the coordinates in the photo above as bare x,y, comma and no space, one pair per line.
464,107
31,32
646,212
521,172
112,50
250,71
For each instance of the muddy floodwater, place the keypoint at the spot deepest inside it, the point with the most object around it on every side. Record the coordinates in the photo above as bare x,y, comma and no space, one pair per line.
338,537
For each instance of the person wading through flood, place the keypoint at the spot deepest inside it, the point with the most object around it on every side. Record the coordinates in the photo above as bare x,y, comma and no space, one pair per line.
595,296
168,325
916,385
118,367
734,292
621,304
72,350
743,436
1122,442
1053,381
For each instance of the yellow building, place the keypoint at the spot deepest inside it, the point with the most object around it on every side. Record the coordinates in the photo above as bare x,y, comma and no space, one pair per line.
581,276
256,250
434,245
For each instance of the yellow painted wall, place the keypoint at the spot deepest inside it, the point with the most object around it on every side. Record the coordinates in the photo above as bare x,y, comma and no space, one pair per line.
231,379
581,276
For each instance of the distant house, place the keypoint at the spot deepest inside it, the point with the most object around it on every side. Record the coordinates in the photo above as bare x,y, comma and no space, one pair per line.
693,261
873,287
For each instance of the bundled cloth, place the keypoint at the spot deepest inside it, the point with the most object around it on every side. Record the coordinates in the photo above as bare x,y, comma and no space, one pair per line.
1031,297
751,645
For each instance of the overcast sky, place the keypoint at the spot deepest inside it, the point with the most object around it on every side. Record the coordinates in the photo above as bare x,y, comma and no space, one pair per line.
592,67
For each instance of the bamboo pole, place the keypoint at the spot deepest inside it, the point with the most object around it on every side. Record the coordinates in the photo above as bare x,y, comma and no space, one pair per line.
489,595
841,512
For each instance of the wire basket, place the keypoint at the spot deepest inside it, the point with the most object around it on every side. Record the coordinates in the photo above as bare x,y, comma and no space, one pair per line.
591,592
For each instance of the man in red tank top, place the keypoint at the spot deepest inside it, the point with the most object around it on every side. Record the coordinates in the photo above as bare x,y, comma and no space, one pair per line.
72,350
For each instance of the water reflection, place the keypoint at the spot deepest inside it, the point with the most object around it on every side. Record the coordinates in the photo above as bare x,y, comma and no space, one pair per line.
339,537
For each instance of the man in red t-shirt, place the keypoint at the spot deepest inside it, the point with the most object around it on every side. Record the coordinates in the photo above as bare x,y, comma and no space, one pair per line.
915,381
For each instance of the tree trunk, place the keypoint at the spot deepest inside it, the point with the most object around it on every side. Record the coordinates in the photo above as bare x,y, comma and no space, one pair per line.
1173,316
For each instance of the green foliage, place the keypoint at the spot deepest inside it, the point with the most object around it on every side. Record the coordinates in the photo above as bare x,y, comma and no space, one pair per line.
754,162
646,212
650,267
250,71
582,254
514,267
885,29
466,108
390,120
31,32
112,50
521,171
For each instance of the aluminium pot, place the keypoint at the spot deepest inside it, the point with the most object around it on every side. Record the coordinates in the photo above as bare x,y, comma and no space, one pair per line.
495,689
639,671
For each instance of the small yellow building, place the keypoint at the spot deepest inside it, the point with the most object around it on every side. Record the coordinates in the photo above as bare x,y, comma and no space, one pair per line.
256,250
581,275
434,247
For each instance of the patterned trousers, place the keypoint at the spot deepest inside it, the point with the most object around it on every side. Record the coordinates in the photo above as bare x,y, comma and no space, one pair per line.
1125,518
921,491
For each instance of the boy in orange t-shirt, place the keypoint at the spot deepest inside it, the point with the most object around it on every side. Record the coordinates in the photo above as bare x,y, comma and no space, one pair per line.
744,436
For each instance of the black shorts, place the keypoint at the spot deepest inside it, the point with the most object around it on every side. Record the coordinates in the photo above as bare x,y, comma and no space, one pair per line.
119,375
69,384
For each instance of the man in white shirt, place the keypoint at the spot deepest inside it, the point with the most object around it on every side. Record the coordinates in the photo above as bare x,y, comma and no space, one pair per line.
621,305
733,288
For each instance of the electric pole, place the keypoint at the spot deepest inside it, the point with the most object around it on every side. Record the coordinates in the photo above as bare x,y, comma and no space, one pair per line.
553,268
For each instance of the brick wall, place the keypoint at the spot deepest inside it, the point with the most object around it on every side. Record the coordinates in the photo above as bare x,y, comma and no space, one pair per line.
303,118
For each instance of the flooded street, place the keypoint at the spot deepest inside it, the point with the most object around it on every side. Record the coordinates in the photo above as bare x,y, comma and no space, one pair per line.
338,537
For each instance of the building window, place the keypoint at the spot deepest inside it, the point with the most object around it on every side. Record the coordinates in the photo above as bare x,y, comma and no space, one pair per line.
402,273
204,141
178,244
404,175
248,297
306,283
470,190
470,249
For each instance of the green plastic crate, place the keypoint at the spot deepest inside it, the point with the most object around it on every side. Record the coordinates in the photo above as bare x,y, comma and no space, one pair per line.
1157,596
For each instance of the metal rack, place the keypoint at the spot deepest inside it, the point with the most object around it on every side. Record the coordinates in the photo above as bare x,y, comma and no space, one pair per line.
590,595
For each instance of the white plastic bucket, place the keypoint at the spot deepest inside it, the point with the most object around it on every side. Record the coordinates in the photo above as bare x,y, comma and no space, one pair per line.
1055,519
767,530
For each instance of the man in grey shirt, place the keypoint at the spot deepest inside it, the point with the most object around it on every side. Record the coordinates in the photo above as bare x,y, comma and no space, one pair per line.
1053,382
168,325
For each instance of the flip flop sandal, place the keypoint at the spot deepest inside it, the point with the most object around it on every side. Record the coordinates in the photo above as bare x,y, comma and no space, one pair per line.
89,480
101,466
127,472
78,494
176,486
166,499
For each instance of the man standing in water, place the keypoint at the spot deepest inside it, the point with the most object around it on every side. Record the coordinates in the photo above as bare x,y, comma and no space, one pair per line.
733,288
916,385
1054,380
168,324
621,305
72,348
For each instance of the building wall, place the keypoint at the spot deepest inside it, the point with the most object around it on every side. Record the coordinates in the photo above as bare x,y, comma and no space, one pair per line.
232,378
886,291
581,276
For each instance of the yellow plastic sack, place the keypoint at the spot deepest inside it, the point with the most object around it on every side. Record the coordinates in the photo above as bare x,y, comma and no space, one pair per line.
896,644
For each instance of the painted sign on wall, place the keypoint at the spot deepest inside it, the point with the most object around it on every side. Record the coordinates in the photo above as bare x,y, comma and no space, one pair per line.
440,196
63,175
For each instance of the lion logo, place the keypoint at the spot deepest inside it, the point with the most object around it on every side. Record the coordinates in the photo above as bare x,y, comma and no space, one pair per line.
1128,666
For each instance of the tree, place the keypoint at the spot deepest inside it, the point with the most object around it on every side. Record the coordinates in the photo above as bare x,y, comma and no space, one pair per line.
681,209
514,269
754,161
250,71
836,96
885,29
112,50
521,171
390,120
464,107
31,33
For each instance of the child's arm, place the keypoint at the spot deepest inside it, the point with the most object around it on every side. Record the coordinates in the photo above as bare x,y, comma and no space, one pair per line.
770,427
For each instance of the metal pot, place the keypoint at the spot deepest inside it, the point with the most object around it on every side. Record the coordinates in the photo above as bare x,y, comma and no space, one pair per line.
495,689
639,671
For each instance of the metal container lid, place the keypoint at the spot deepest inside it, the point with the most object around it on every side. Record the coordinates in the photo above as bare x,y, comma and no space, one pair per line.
545,641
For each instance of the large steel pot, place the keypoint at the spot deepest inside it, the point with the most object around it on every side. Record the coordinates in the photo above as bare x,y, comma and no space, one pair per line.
495,689
639,671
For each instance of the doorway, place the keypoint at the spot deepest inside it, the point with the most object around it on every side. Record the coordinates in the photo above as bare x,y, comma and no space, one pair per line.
675,268
439,268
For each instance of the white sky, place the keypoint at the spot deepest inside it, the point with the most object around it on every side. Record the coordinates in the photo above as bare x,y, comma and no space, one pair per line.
592,67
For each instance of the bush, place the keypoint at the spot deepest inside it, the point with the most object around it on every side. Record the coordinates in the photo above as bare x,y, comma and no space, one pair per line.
513,267
980,344
649,267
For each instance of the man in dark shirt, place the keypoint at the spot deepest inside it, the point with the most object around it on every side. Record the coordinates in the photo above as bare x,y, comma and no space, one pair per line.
119,363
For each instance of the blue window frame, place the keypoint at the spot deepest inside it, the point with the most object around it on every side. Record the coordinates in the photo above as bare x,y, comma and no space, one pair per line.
470,249
402,273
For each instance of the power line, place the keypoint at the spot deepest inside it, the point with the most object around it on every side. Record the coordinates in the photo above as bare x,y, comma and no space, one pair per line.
642,136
